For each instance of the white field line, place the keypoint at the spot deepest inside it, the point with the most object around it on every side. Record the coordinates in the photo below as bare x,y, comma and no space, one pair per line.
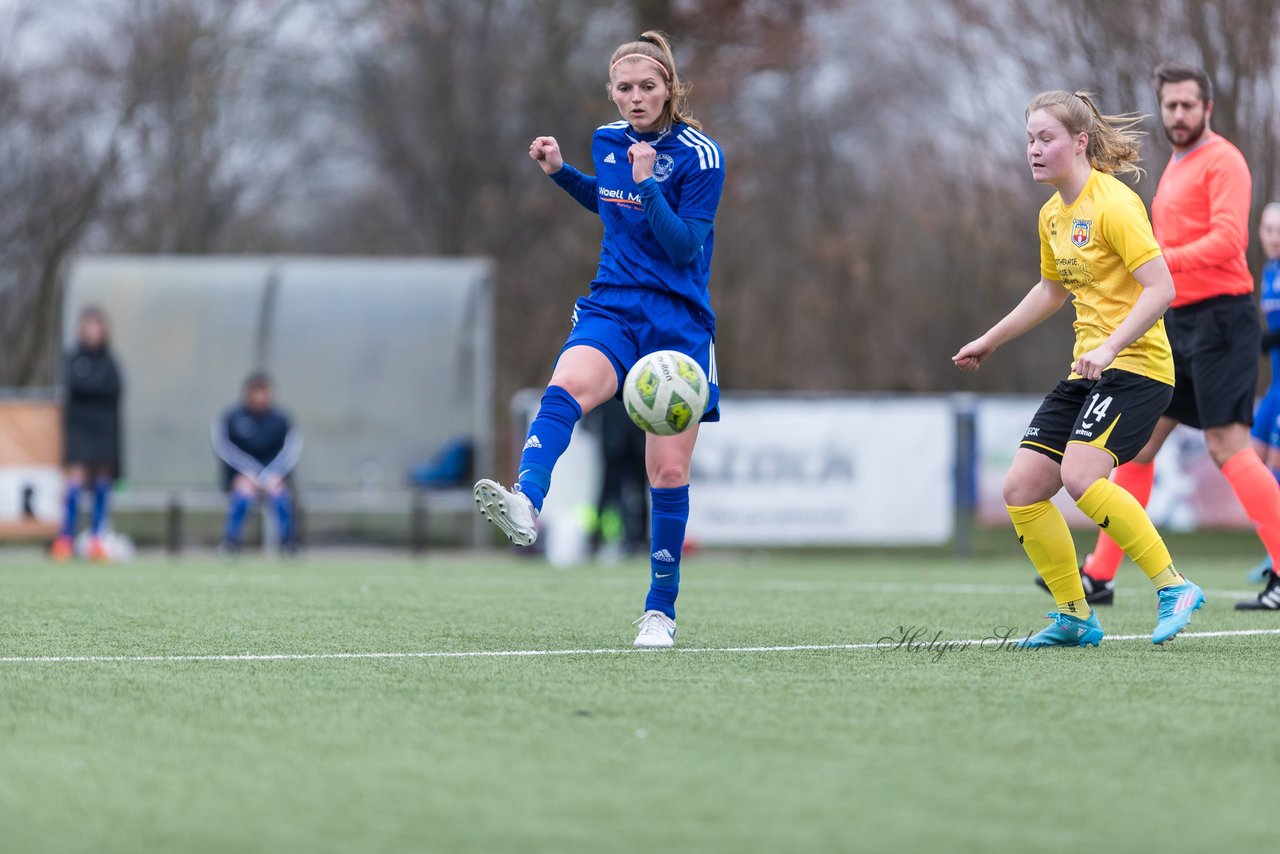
535,653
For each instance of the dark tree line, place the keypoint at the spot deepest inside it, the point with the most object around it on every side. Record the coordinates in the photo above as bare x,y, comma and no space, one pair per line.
878,211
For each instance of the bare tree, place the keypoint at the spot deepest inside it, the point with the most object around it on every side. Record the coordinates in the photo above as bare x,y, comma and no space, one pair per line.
877,211
58,147
208,140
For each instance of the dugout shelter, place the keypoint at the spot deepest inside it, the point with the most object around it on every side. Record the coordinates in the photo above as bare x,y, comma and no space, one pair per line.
380,362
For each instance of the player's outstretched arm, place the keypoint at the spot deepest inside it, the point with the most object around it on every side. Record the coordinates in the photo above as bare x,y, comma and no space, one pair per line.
1040,302
545,151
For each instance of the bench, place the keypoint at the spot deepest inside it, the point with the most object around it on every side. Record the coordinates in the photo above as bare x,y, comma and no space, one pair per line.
415,505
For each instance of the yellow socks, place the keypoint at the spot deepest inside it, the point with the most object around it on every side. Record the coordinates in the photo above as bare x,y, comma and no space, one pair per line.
1047,540
1122,517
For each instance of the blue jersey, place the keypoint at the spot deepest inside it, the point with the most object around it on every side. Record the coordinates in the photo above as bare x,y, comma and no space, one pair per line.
689,170
1271,310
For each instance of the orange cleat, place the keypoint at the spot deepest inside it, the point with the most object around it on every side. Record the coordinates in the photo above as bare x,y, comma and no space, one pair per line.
62,550
98,551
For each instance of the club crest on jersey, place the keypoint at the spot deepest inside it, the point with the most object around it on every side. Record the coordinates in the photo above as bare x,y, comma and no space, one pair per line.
1080,231
663,165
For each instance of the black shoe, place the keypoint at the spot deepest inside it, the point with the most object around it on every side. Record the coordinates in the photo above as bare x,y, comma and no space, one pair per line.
1268,599
1095,592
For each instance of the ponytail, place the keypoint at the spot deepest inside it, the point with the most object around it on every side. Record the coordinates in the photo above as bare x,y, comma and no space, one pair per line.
1114,143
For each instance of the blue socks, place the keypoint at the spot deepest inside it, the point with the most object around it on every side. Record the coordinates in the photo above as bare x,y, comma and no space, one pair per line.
71,510
101,507
670,515
547,440
101,494
236,512
238,508
284,514
549,435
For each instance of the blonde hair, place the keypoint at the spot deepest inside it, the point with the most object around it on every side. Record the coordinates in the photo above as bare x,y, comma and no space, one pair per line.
653,45
1114,141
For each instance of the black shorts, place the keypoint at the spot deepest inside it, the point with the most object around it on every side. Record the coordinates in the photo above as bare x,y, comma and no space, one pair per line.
1215,361
1116,413
91,438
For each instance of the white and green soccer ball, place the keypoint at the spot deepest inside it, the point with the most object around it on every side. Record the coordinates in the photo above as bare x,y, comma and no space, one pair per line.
666,393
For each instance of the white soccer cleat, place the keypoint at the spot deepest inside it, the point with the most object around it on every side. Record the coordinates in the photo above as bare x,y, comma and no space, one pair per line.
510,510
657,631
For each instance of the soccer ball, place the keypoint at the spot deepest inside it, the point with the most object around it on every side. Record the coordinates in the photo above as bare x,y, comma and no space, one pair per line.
665,393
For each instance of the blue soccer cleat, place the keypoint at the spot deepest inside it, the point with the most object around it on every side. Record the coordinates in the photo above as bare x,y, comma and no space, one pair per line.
1177,604
1260,571
1066,630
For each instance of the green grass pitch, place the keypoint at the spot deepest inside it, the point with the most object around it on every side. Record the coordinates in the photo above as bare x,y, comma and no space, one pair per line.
164,747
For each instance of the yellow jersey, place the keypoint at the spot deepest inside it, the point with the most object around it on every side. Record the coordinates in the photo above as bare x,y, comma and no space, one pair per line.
1092,247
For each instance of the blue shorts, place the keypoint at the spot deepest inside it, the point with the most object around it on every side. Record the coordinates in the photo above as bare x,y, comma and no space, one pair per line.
627,323
1266,420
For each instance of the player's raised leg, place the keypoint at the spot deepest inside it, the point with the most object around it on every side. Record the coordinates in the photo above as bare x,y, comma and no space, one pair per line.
1100,566
668,460
1136,477
1125,520
584,378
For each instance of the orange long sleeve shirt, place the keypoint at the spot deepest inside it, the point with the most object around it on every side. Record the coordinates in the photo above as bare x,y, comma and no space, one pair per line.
1200,215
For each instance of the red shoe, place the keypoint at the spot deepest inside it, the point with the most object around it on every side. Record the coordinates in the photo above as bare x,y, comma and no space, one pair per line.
98,551
62,550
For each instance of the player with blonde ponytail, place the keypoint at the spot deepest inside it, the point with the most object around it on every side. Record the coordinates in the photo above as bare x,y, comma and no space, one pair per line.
1097,248
656,187
653,46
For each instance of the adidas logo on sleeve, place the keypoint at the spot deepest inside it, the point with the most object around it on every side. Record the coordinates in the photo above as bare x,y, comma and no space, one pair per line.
609,158
663,556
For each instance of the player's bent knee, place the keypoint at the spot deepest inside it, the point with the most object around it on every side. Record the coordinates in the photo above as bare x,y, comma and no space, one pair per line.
1016,495
1077,483
669,476
1021,492
1226,441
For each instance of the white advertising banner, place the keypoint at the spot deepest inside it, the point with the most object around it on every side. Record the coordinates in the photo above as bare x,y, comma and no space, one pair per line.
30,493
799,471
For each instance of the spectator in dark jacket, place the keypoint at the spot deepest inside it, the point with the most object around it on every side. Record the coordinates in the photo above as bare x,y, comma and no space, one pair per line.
91,432
258,448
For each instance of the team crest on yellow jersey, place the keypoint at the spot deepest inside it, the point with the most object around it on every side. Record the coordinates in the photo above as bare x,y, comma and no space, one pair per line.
1080,231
